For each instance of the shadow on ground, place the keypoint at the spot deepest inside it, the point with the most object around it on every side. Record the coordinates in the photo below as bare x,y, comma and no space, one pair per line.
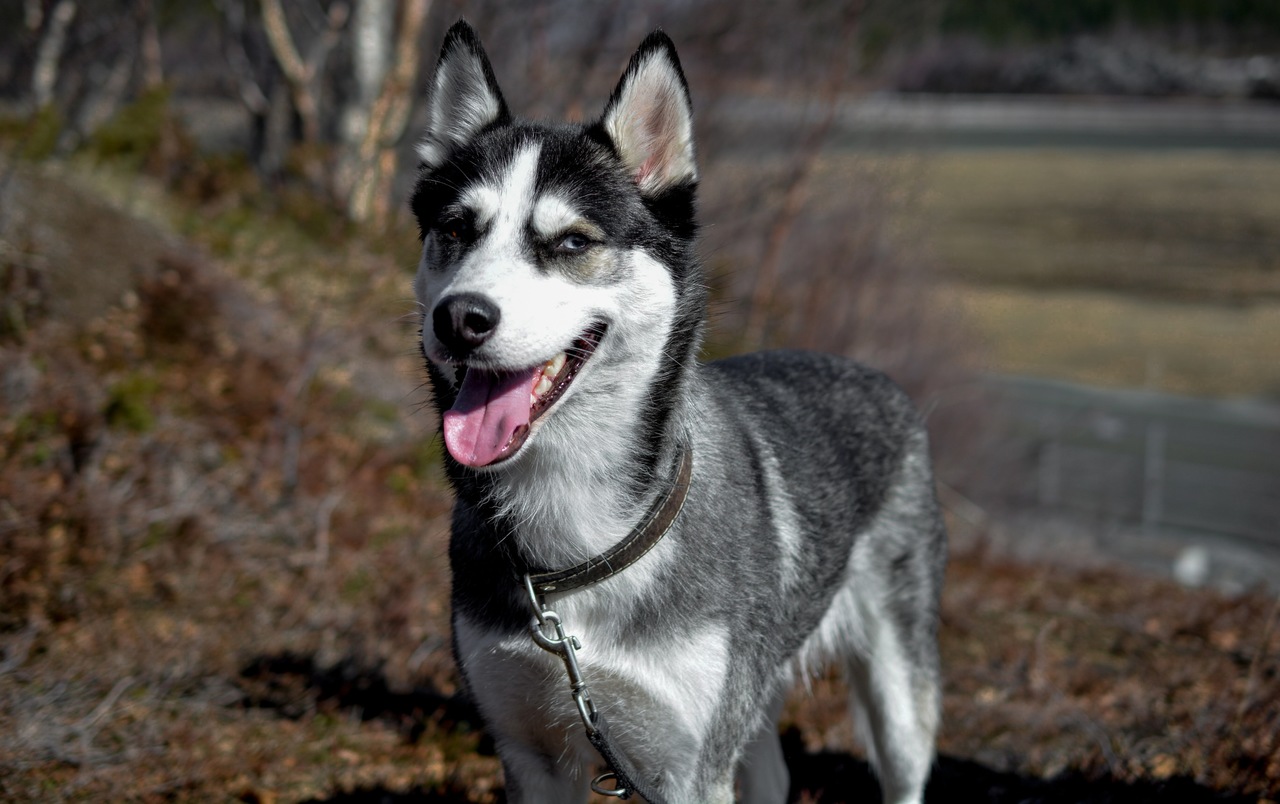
829,778
293,685
832,777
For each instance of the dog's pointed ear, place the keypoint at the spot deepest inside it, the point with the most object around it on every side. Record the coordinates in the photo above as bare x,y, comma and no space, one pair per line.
464,98
649,119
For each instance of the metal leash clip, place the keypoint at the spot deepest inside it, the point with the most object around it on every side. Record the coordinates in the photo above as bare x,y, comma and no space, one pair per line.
566,647
597,786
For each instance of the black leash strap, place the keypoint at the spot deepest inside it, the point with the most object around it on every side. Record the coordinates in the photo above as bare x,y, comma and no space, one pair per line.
648,532
621,772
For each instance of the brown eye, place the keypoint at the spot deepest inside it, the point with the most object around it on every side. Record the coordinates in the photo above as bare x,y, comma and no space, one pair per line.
455,228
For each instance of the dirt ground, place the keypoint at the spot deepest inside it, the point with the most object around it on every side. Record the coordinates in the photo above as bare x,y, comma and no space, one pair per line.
223,525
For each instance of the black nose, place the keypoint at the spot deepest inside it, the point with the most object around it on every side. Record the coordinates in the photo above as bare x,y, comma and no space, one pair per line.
464,321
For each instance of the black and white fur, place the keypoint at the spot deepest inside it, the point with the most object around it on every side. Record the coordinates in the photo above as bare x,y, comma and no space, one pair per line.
810,533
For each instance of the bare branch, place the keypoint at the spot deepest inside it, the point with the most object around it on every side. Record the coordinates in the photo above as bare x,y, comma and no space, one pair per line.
798,181
1255,668
104,706
286,52
251,92
300,73
99,107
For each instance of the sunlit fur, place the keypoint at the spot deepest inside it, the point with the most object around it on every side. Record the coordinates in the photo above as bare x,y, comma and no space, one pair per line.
810,534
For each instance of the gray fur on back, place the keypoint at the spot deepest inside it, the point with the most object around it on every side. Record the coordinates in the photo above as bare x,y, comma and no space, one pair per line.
824,437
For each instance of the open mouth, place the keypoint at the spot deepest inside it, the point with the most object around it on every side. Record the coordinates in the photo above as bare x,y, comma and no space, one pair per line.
494,411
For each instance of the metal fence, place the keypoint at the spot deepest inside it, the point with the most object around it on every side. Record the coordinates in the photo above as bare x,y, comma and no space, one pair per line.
1164,462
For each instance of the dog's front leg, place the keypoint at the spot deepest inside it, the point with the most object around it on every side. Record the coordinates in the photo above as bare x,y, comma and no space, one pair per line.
763,769
534,778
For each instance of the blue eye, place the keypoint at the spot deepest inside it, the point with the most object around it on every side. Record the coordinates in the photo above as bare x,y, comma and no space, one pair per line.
573,243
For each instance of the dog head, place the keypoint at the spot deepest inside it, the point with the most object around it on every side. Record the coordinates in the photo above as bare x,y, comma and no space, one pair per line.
557,280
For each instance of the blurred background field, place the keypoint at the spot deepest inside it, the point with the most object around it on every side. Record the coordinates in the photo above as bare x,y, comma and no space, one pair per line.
1154,269
222,517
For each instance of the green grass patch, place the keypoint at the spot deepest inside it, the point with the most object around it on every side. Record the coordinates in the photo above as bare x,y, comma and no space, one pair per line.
37,134
358,586
130,401
135,132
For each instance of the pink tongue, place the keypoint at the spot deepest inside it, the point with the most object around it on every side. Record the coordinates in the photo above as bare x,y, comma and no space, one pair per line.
489,410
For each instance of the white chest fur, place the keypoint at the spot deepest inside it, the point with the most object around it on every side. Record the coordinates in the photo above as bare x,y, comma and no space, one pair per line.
659,697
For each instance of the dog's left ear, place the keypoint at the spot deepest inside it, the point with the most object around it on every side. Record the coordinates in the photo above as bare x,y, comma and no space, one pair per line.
464,98
649,119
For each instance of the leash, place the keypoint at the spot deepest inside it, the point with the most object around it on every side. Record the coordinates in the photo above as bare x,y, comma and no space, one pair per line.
647,533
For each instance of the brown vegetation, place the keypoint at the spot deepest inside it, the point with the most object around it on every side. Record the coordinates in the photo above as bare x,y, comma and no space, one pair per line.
223,531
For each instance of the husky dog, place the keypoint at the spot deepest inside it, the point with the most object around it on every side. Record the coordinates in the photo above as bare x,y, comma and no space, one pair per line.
562,314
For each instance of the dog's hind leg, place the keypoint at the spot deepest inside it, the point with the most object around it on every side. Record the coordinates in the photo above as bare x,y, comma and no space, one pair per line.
896,573
762,771
894,678
896,711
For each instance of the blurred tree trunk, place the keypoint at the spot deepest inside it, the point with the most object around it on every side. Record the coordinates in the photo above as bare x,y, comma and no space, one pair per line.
277,125
89,66
372,25
379,113
384,40
236,52
44,76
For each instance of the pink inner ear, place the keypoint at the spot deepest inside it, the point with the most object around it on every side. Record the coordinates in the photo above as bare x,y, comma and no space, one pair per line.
650,127
646,169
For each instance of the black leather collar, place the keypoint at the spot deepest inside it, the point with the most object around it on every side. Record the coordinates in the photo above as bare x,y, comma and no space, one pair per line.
647,533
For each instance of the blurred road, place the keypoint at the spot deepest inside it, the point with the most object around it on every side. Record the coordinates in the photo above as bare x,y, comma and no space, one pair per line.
899,121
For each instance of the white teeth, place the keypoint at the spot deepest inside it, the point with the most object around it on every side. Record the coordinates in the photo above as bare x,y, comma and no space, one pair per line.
547,378
556,363
544,385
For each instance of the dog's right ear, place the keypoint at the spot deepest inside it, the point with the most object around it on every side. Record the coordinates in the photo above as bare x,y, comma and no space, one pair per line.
464,96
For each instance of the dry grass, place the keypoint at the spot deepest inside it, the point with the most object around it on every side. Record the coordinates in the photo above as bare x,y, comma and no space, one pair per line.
1153,269
206,472
1126,341
1093,675
1202,226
